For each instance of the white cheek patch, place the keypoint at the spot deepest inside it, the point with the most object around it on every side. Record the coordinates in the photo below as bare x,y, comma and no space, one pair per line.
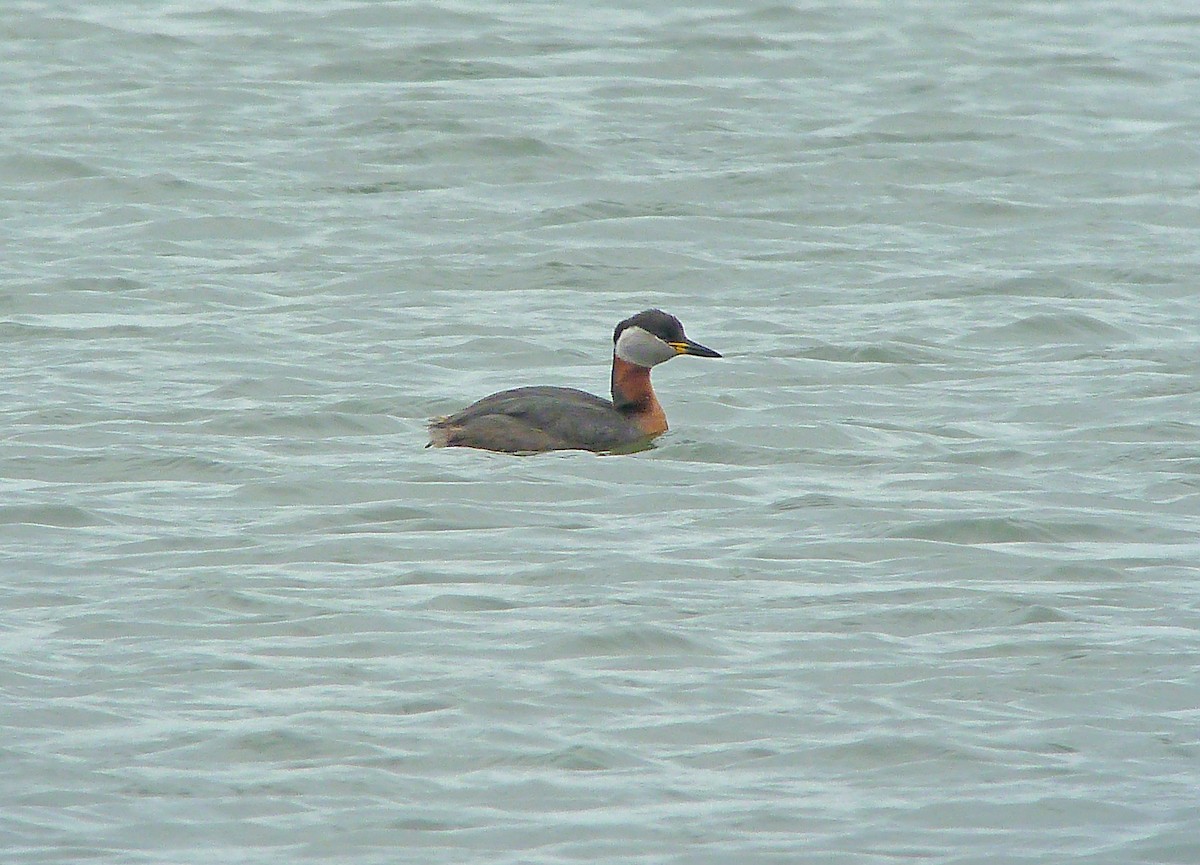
643,348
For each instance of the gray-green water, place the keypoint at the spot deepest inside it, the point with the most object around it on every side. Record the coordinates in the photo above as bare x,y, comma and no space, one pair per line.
914,577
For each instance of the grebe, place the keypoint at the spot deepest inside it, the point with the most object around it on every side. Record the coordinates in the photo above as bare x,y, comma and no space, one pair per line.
535,419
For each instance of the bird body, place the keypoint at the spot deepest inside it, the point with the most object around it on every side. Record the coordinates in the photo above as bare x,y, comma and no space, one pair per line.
543,418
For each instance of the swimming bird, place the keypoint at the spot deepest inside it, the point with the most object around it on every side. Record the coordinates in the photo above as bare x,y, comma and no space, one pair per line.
536,419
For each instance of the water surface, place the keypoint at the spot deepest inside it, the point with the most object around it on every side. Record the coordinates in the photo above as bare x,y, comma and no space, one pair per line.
913,576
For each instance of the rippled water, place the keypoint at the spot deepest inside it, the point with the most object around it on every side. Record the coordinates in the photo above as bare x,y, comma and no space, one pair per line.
914,577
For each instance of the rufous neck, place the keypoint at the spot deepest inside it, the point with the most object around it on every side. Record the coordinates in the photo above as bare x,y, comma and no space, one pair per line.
633,396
